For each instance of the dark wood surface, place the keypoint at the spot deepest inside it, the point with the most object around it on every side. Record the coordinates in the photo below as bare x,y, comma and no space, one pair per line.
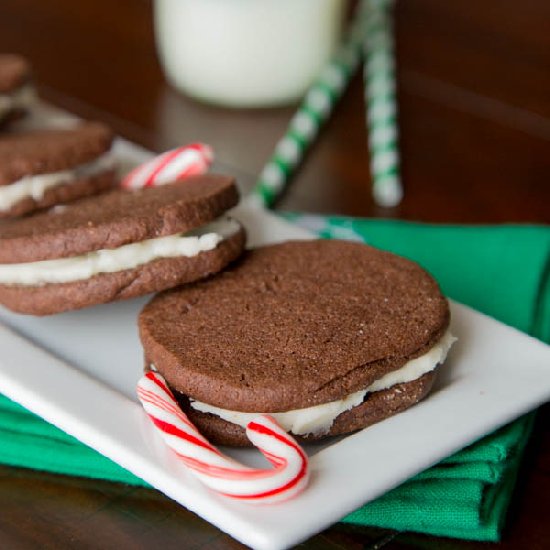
474,99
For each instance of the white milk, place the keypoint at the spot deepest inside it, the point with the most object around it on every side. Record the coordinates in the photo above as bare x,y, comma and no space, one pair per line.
247,53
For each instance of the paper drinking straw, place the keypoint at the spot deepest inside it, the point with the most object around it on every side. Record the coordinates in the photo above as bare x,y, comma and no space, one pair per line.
379,75
318,104
314,110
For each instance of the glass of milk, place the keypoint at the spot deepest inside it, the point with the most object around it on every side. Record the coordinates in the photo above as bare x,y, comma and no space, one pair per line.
246,53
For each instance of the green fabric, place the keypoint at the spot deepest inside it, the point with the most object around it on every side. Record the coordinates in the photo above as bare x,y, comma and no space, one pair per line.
502,271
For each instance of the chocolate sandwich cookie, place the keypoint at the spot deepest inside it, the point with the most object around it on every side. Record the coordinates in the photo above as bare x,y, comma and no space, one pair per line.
118,245
42,168
328,336
16,91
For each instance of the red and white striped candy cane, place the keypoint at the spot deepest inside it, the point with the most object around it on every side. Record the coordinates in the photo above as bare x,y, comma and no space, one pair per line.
219,472
189,160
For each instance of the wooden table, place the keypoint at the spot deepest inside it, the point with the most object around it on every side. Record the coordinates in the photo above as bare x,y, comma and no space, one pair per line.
474,96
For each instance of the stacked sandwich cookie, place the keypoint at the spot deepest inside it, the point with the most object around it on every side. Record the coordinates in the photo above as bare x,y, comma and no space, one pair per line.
118,245
42,168
16,90
326,336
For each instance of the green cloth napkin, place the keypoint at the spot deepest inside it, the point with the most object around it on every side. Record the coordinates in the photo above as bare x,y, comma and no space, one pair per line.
502,271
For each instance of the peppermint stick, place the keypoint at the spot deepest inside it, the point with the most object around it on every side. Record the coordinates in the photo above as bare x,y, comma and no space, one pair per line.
318,105
379,75
179,163
288,477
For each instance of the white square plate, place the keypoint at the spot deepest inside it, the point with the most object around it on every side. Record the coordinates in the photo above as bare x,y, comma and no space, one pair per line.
79,371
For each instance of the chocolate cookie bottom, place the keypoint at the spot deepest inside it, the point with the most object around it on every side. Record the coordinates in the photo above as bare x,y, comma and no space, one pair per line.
109,287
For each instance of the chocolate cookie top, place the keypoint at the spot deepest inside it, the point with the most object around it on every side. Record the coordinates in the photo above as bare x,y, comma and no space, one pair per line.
49,151
293,325
116,218
14,72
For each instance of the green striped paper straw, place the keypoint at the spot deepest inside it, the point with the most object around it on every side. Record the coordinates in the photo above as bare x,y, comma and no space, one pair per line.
316,107
379,75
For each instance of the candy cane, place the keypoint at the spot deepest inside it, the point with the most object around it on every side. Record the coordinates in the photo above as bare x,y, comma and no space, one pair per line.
173,165
219,472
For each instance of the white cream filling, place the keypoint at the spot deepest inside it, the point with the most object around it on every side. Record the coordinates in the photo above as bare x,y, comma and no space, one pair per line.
35,186
22,98
318,419
125,257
